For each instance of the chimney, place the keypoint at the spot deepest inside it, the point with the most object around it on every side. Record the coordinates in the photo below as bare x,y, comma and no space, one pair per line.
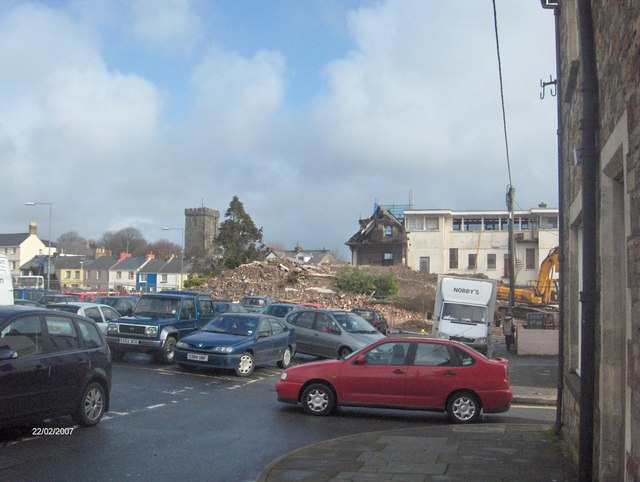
542,205
150,255
125,255
33,228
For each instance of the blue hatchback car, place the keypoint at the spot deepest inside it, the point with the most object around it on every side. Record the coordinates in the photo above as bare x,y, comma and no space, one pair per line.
52,364
239,342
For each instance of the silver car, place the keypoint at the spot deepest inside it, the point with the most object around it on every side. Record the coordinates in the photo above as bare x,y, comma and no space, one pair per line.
101,314
329,333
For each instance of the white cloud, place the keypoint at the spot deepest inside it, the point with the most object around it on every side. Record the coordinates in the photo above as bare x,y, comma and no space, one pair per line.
165,22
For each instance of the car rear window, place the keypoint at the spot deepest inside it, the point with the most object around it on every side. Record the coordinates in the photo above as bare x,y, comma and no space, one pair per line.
62,333
90,336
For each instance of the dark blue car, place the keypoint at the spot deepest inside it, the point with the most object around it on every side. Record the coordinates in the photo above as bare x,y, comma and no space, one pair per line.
52,364
239,342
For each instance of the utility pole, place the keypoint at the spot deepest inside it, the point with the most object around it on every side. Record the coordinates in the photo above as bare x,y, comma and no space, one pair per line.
511,245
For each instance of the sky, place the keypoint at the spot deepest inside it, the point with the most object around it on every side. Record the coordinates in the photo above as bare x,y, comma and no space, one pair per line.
123,113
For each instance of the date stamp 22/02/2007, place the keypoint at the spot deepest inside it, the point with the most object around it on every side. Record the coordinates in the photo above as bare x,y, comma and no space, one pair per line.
38,431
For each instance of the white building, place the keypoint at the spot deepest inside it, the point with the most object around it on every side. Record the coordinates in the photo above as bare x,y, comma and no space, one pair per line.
472,242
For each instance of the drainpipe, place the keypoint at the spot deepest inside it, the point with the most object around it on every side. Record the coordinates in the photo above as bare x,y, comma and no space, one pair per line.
560,294
589,296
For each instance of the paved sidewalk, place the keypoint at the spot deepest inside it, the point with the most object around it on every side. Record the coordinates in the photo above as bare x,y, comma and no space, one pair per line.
478,452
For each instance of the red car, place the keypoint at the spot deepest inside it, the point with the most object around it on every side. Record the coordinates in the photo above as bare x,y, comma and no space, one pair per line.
413,373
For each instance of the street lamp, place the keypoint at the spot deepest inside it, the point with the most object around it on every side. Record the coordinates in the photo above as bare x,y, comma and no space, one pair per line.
49,254
167,228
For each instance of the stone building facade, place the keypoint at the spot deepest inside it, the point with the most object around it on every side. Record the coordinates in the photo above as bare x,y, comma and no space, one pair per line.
201,231
598,53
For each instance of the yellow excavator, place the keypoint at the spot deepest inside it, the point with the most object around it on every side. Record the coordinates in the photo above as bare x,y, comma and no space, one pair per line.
541,292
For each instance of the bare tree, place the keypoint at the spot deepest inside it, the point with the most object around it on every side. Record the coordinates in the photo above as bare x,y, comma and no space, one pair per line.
164,249
127,240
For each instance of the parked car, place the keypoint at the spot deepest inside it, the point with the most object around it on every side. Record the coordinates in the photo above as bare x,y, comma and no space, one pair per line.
330,334
159,320
237,341
52,364
223,306
280,310
122,304
101,314
375,317
412,373
257,304
31,303
57,298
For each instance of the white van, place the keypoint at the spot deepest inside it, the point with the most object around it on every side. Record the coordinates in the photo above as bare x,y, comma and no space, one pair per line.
6,284
464,310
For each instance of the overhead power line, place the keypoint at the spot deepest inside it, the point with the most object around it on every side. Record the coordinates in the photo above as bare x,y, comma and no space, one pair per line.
504,115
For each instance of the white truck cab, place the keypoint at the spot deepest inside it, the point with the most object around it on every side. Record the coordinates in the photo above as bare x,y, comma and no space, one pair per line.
6,283
464,310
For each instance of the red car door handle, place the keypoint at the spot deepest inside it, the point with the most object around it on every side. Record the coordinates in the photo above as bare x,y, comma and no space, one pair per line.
398,372
449,374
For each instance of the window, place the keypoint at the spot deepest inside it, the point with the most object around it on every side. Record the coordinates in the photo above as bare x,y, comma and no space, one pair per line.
206,308
472,261
94,314
276,328
415,223
491,261
143,277
394,353
131,275
432,224
492,224
62,333
67,275
388,256
163,278
530,258
457,224
188,310
264,328
118,274
110,314
305,320
76,275
504,224
24,336
97,275
524,224
464,359
549,222
323,322
472,224
432,355
388,231
90,336
453,258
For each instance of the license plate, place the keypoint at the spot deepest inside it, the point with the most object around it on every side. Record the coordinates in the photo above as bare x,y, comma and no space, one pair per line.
197,357
128,341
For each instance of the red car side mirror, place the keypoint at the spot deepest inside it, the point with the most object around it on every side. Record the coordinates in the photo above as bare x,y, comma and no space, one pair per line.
361,360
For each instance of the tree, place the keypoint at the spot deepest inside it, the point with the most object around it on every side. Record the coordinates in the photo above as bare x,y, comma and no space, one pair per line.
239,238
127,240
71,237
164,249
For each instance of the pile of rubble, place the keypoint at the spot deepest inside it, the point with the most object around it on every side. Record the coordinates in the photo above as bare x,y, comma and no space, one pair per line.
291,282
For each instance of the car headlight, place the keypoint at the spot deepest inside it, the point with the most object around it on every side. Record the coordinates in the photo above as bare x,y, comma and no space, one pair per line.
481,340
283,376
151,331
223,349
112,328
181,344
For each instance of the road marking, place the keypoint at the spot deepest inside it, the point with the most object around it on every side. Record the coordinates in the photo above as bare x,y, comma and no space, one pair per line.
156,406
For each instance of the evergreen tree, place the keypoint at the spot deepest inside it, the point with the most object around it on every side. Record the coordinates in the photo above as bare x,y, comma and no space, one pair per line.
239,238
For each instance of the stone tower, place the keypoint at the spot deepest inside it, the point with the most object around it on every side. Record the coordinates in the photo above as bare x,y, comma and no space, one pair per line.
201,230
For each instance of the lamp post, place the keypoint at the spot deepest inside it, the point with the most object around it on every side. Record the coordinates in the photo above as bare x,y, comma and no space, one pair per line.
167,228
49,242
